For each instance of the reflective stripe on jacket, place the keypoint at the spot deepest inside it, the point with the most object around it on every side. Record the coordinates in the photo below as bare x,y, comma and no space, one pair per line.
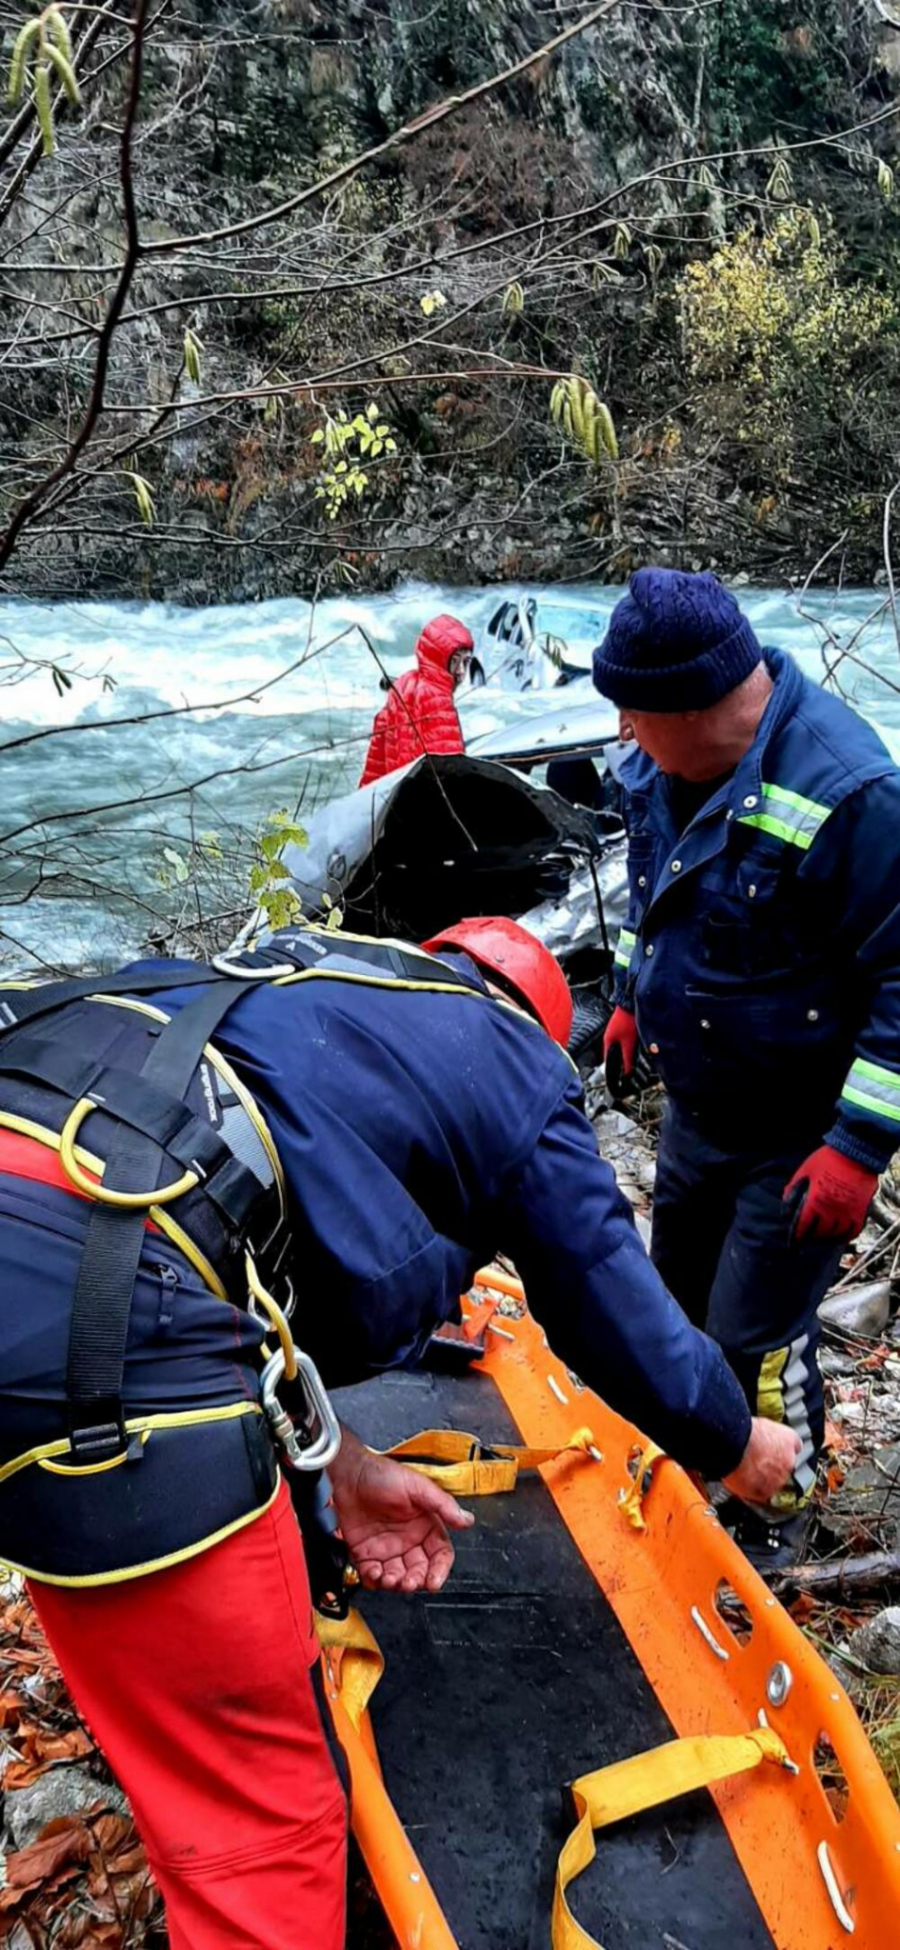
761,951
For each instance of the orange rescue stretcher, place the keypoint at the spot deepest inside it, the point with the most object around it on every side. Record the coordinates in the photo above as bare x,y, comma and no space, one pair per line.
672,1629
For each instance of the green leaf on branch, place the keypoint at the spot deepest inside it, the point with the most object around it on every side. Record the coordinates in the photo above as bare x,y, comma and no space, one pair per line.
177,862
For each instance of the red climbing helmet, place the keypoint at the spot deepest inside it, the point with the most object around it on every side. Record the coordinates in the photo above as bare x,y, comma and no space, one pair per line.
519,962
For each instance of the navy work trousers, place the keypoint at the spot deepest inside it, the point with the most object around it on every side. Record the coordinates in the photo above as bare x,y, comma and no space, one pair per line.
722,1243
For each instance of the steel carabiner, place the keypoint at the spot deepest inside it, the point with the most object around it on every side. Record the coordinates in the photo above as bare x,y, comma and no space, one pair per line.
323,1428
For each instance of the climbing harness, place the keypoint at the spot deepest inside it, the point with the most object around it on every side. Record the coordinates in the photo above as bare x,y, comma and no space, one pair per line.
146,1121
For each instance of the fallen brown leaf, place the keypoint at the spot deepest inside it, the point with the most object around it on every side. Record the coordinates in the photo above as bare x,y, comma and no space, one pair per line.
110,1830
40,1749
62,1845
10,1708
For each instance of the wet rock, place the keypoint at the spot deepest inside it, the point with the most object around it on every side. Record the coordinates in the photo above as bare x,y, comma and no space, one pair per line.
859,1310
864,1512
68,1790
849,1414
612,1126
834,1364
877,1643
644,1170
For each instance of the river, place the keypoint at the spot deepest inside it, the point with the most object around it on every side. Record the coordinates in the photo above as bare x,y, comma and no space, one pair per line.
272,704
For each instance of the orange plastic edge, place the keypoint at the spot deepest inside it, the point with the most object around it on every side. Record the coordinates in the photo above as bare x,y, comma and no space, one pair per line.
404,1891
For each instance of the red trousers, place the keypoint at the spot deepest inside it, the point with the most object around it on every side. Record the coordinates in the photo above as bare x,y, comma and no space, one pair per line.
196,1683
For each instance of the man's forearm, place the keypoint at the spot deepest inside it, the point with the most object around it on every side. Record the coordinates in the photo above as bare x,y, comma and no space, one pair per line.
343,1470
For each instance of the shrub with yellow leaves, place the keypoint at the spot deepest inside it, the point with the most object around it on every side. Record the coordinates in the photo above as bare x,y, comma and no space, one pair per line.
773,323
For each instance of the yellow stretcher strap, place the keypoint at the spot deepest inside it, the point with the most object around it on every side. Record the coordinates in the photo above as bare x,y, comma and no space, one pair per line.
631,1501
457,1461
631,1786
361,1660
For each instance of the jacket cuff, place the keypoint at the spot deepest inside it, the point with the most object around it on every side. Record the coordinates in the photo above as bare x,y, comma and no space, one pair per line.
723,1449
873,1149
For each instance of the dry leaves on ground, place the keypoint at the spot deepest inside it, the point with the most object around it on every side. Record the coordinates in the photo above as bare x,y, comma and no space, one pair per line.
83,1884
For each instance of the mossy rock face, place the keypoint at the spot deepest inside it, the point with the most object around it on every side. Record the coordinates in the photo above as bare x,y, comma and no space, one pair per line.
486,489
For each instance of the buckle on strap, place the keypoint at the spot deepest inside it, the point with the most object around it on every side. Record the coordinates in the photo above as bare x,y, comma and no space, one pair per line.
99,1442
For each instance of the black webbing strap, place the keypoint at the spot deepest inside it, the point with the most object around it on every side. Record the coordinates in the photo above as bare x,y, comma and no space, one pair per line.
18,1006
114,1240
126,1094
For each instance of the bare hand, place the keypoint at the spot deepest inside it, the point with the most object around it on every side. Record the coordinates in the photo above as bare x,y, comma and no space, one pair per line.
767,1462
394,1521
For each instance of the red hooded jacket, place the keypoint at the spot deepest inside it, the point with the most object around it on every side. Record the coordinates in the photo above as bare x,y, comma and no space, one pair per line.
420,715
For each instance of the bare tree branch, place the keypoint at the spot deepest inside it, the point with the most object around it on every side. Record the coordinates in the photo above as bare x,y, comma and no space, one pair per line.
34,500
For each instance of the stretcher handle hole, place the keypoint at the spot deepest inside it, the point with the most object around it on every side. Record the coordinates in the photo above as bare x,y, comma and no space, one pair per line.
735,1615
832,1777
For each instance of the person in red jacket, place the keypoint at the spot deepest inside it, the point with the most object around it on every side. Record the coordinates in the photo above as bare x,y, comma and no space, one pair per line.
420,715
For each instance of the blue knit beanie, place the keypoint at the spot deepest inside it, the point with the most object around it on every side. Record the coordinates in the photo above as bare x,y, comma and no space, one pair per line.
676,642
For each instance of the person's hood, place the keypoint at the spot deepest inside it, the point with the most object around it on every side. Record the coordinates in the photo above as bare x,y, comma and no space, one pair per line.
439,641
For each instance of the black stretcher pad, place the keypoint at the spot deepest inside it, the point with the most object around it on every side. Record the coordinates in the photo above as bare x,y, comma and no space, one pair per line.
509,1683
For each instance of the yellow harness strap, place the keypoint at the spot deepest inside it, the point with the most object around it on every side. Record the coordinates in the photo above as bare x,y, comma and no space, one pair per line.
457,1461
361,1660
644,1781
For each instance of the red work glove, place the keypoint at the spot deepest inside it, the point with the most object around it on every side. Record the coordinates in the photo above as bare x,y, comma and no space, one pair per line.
622,1037
833,1195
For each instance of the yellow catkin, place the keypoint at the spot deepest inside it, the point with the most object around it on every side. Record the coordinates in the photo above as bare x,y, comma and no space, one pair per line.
43,107
58,28
65,71
576,404
191,356
607,430
19,62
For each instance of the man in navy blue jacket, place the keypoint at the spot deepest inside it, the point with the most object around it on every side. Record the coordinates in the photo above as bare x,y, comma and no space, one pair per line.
423,1120
760,967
